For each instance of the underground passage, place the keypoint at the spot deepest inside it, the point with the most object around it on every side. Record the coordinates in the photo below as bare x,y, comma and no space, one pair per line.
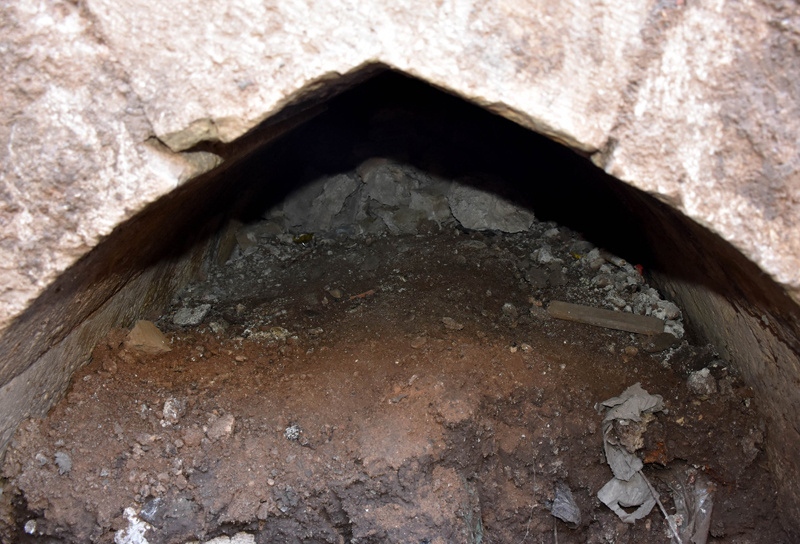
392,316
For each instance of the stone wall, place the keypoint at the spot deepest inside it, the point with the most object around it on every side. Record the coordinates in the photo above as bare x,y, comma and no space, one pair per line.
108,106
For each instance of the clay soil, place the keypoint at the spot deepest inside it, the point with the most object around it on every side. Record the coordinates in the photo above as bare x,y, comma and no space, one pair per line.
298,413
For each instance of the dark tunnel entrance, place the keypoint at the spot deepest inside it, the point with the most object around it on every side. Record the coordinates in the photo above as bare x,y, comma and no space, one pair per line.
357,348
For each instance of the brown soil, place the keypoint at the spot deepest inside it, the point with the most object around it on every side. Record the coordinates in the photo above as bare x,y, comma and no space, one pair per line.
305,418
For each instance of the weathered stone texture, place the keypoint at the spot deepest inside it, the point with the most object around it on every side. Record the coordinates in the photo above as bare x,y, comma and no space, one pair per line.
711,125
72,147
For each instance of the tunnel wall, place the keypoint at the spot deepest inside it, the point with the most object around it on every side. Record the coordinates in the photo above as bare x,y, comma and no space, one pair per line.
109,106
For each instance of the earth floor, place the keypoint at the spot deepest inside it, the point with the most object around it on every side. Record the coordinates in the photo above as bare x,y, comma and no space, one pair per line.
401,389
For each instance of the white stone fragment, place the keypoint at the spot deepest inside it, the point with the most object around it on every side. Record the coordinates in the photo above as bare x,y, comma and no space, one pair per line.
675,328
135,531
191,316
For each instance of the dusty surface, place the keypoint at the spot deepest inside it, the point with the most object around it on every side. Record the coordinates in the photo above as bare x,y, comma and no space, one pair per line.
296,416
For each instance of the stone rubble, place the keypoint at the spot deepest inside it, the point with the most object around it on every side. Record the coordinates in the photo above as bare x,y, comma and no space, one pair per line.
387,198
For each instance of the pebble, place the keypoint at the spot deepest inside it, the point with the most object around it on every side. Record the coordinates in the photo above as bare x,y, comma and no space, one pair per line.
335,293
675,328
702,383
510,311
292,432
451,324
173,410
667,310
192,436
222,427
145,337
63,462
544,255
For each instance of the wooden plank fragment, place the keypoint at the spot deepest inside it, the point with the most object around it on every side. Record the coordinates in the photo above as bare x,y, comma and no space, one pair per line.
609,319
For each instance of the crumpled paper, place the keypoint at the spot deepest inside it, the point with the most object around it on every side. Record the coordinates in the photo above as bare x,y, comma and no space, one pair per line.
628,488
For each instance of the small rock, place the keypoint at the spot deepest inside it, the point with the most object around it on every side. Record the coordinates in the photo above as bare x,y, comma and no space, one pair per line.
666,310
452,324
150,510
581,247
631,351
135,531
192,436
41,459
109,365
564,506
292,432
174,410
510,311
480,210
191,316
144,338
335,293
247,241
418,342
702,383
675,328
616,301
118,431
602,280
63,462
218,327
222,427
544,255
238,538
537,277
537,312
594,259
552,233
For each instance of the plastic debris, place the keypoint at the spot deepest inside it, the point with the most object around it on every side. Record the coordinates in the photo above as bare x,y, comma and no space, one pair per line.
631,411
618,494
564,506
694,501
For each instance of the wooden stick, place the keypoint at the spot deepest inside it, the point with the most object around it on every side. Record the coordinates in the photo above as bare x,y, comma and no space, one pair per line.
609,319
